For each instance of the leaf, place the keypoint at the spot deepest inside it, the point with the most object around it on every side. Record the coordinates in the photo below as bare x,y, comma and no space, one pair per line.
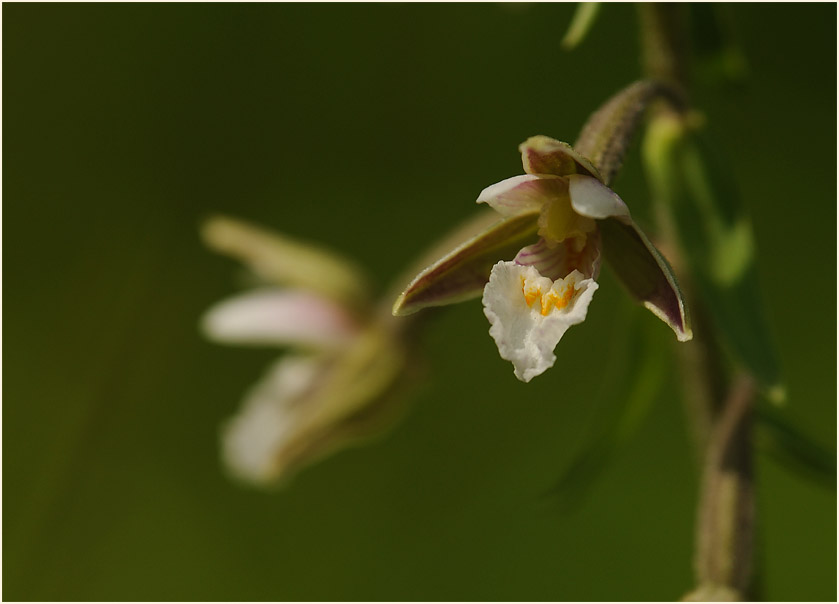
717,238
720,58
791,447
582,22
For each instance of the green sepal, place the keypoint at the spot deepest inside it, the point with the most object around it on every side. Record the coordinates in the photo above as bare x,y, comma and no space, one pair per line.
281,260
462,273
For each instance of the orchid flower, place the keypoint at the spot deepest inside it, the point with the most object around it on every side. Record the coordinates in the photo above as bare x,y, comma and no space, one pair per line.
334,386
538,265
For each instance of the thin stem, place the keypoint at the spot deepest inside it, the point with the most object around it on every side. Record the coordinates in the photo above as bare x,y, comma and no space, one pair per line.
726,513
608,133
664,42
721,424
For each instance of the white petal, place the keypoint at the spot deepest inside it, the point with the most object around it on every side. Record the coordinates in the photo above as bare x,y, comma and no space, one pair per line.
590,197
521,194
279,317
253,440
526,334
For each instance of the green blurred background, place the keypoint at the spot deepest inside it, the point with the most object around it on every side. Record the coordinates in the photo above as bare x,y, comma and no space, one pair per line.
371,128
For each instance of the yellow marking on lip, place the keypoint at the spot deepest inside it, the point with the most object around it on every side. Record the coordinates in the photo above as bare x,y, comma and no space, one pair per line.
530,292
548,301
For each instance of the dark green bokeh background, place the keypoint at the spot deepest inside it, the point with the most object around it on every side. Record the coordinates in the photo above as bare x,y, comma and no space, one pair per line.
371,128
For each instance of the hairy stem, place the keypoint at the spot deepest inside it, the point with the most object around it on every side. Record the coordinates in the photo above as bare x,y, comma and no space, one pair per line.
722,424
608,133
664,42
725,521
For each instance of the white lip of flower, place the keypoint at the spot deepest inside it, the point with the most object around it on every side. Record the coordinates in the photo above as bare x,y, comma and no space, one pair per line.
529,314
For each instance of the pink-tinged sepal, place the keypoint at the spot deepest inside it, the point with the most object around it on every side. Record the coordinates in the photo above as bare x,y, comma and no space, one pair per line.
645,273
462,273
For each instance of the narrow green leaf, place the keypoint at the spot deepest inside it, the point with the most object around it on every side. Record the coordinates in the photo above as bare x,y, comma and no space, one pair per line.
717,238
581,23
790,446
720,58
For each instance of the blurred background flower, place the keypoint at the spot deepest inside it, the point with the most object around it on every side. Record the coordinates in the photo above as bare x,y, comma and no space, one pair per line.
125,125
348,367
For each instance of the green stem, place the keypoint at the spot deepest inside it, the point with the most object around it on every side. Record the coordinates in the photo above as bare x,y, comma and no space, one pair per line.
664,42
725,527
608,133
722,424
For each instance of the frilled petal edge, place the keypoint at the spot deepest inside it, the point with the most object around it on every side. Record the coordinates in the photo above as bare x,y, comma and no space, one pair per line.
529,314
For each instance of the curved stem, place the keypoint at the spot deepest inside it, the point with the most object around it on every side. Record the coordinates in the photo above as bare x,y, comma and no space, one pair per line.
608,133
721,423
